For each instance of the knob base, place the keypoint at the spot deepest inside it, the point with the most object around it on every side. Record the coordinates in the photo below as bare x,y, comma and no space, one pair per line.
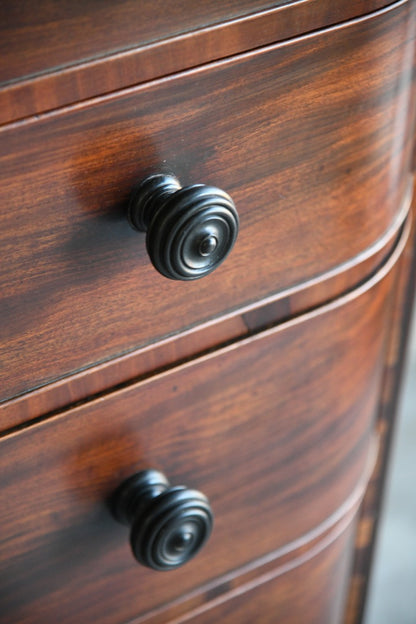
146,198
136,493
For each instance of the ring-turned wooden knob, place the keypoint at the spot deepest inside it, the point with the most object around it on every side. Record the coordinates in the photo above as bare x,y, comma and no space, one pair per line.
190,230
169,525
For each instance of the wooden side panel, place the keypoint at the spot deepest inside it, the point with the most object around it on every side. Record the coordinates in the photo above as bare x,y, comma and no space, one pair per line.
279,449
322,124
387,418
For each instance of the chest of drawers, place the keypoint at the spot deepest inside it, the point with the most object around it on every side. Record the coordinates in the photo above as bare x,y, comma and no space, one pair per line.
270,383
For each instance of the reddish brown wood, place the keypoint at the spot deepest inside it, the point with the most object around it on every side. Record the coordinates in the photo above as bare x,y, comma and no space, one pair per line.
312,592
58,35
329,171
180,347
64,53
314,138
279,452
387,420
263,571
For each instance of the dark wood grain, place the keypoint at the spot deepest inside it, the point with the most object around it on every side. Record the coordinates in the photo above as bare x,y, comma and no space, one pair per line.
278,451
371,513
263,571
312,592
60,34
317,121
205,337
66,52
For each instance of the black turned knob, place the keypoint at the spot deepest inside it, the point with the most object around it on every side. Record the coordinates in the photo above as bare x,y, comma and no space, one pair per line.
169,525
190,230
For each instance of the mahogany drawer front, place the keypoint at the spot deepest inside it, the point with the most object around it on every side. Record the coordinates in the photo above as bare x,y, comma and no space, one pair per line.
30,45
313,591
105,47
307,136
276,430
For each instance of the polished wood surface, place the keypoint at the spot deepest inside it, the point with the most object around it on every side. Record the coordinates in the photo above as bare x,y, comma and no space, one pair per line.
312,591
66,52
60,34
180,347
73,269
372,508
278,450
262,574
271,385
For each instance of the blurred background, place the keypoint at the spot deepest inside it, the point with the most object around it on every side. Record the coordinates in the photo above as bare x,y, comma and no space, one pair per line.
392,597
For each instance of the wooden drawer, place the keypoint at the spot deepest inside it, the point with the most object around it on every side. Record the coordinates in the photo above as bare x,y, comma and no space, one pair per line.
105,47
276,430
307,136
312,591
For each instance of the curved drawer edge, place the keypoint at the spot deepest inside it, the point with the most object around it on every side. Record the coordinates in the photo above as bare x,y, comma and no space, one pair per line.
128,368
53,88
301,465
271,566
